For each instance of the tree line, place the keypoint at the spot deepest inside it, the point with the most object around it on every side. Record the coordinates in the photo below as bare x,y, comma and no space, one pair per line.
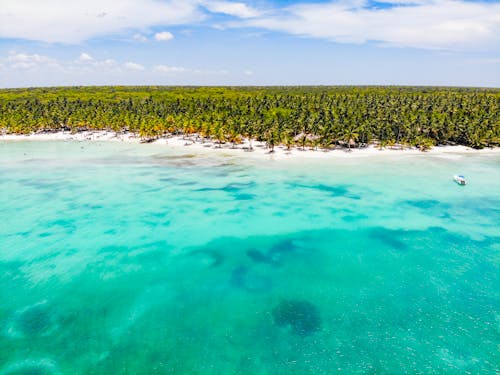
319,117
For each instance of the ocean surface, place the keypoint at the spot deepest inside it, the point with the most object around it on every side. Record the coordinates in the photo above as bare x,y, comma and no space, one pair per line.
120,258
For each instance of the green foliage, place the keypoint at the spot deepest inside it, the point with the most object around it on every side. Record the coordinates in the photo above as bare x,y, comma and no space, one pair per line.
300,116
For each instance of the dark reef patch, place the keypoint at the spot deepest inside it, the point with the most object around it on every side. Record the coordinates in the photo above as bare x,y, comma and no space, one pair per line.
238,276
257,256
423,203
332,190
275,255
244,197
354,218
46,257
63,223
301,316
234,187
237,186
35,320
187,183
168,179
157,215
284,246
389,237
280,250
242,277
480,206
430,206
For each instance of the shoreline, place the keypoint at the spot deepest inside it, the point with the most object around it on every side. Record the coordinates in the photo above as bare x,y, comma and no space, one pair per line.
259,148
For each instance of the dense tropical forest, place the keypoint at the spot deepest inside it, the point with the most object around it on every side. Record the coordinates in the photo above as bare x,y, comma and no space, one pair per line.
323,117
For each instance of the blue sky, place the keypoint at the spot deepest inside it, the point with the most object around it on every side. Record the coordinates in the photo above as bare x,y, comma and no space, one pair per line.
249,42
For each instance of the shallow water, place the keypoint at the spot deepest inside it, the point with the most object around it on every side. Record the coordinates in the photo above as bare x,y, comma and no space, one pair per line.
123,259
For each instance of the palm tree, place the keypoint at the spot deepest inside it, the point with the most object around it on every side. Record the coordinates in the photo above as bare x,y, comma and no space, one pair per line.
349,136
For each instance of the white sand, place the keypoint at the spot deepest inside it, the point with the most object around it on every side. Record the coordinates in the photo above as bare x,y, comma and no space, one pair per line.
259,148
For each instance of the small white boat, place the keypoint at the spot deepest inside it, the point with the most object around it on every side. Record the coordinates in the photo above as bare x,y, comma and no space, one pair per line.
459,179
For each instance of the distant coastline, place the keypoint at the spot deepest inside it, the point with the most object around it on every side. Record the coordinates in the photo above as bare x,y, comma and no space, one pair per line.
255,148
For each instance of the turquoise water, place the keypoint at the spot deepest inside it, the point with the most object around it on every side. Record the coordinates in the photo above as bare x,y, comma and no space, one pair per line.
135,259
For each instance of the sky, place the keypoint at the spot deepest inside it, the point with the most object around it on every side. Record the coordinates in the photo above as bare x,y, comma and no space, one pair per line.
249,42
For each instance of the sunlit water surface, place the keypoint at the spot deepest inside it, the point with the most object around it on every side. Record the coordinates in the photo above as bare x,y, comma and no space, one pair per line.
136,259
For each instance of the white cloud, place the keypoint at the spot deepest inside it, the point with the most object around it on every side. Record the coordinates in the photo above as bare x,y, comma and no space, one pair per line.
26,61
107,63
87,62
140,37
85,57
171,69
133,66
248,72
240,10
164,36
429,24
26,69
75,21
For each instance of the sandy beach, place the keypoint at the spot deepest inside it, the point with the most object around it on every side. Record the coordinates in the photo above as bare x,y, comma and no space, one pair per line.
259,148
